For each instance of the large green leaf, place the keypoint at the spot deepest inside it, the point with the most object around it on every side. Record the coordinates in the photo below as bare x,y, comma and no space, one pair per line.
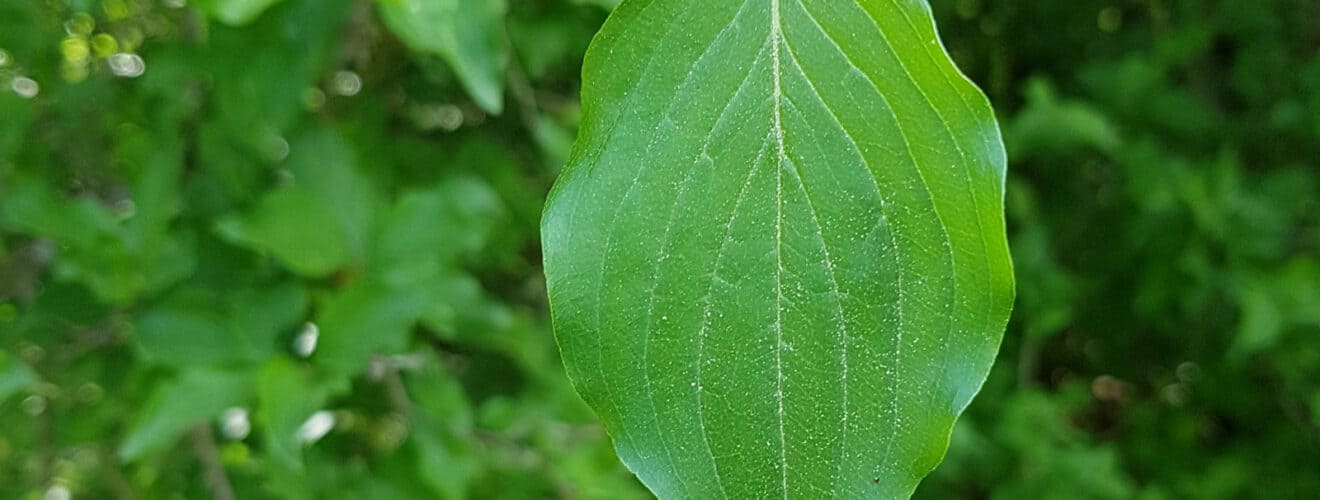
777,260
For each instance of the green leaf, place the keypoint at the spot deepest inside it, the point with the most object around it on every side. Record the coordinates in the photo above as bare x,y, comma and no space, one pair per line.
185,329
235,12
468,34
298,228
442,432
288,394
194,325
427,230
15,377
197,395
363,320
604,4
1273,302
324,164
19,112
777,260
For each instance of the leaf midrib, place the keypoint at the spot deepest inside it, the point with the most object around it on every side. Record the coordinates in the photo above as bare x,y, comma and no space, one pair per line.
776,37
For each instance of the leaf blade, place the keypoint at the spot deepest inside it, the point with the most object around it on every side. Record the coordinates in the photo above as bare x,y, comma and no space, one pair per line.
739,160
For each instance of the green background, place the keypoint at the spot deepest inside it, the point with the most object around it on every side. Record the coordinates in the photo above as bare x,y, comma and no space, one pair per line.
169,242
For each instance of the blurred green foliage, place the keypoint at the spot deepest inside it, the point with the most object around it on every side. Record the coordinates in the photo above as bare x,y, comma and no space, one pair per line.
290,246
1164,205
222,217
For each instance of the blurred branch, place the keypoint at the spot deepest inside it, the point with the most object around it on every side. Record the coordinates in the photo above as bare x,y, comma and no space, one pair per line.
45,447
1294,412
1028,359
521,87
395,391
212,471
20,272
115,476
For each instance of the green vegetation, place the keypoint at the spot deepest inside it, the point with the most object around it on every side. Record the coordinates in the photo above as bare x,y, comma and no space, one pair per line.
290,248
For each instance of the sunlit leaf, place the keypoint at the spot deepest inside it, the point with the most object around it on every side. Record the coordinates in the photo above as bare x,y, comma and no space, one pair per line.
777,260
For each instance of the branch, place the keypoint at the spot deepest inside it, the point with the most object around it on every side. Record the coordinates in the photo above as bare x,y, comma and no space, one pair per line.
213,472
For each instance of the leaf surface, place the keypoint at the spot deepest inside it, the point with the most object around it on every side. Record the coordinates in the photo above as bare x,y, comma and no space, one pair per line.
777,259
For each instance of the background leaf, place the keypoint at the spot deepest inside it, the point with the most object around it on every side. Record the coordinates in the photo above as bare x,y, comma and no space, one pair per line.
296,227
195,396
236,12
468,34
14,377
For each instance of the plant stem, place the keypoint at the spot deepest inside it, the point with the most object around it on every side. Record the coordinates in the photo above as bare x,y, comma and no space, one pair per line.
212,471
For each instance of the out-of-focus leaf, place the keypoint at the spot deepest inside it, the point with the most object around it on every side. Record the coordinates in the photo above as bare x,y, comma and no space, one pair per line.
14,377
555,139
410,247
258,316
1050,126
323,164
501,171
94,249
186,329
459,309
297,228
1271,303
604,4
1047,307
362,321
777,260
261,74
447,466
287,395
33,208
468,34
441,432
235,12
430,229
18,113
198,394
1069,467
199,326
549,39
